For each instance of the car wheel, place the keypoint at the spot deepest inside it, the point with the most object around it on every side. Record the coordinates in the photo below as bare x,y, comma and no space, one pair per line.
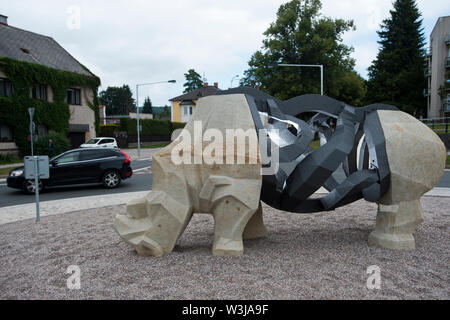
111,179
28,186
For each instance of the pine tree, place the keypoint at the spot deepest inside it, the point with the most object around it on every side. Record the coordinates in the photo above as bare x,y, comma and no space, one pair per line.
193,81
147,106
396,75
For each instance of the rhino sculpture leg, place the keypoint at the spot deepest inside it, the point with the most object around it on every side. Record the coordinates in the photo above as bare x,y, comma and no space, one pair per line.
255,228
416,160
231,216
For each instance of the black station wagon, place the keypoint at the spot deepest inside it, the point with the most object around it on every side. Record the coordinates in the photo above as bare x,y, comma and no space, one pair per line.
79,166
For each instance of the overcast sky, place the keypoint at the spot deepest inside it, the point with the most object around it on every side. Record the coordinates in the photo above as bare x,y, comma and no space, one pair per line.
135,41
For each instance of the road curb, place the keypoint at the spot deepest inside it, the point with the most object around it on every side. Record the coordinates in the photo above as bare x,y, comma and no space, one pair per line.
28,211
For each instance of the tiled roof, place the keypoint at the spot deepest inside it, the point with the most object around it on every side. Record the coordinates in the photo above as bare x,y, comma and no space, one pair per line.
197,94
28,46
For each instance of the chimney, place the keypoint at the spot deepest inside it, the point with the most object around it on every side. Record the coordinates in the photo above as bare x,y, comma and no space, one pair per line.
205,84
216,84
3,19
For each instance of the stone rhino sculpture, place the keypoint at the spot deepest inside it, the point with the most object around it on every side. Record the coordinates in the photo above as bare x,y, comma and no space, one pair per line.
383,155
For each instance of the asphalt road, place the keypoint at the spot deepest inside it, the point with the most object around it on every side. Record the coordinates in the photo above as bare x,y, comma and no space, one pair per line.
141,180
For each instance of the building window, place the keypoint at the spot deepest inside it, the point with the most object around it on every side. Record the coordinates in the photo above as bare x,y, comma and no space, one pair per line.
39,92
5,88
6,133
74,96
185,111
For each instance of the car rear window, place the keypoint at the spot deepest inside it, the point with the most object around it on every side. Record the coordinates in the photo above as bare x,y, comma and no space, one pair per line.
106,141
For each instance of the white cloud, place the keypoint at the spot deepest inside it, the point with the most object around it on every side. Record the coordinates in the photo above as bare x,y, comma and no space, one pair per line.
129,42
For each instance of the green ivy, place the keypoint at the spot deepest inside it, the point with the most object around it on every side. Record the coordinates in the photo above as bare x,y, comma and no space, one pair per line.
54,115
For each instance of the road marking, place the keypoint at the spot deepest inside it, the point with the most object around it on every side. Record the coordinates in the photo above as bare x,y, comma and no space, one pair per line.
143,159
141,169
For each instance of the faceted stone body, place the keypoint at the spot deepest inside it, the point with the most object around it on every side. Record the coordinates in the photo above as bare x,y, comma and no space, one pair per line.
416,158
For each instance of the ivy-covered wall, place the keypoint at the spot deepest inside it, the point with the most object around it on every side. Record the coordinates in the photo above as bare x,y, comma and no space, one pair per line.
54,115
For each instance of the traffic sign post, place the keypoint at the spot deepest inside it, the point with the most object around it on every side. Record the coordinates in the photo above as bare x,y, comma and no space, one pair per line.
31,113
36,167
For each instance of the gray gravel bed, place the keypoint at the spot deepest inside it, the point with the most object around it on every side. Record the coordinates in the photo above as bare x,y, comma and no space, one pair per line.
321,256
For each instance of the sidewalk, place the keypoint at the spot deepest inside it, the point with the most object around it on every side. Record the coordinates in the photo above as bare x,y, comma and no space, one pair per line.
11,165
28,211
145,153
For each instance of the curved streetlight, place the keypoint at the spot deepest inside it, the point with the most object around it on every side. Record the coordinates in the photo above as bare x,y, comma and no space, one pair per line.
232,79
273,65
137,110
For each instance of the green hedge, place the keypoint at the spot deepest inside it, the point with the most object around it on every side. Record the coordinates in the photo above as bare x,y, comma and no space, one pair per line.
60,143
149,126
178,125
108,130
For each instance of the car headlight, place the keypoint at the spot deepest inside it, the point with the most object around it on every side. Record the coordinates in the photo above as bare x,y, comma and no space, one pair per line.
16,173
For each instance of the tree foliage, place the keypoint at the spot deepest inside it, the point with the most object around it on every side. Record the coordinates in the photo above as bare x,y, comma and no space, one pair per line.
300,35
118,100
147,106
193,81
165,113
396,75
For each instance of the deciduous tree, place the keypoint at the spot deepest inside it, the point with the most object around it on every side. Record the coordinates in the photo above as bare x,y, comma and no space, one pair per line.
300,35
118,100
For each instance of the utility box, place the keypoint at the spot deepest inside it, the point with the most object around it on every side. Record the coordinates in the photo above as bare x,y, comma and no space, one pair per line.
42,166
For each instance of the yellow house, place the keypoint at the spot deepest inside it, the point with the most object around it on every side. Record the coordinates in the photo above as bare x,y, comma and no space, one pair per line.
184,106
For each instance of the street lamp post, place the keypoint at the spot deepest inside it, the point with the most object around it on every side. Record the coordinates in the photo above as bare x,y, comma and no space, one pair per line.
306,65
137,111
232,79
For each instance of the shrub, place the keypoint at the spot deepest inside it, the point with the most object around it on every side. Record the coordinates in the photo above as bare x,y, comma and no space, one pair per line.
177,125
108,130
60,141
149,126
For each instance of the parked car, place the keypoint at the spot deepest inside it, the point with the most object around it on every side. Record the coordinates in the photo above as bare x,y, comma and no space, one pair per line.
100,142
79,166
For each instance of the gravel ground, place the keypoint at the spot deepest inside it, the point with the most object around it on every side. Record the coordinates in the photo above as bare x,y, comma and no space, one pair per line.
322,256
